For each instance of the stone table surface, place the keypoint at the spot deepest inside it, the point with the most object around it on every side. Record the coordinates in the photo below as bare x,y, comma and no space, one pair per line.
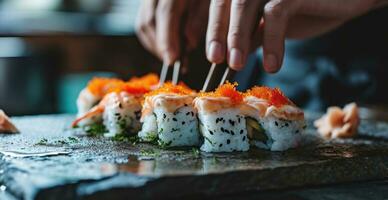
49,161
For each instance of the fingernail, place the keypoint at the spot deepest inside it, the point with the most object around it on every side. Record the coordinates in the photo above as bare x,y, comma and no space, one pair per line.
215,52
270,63
235,58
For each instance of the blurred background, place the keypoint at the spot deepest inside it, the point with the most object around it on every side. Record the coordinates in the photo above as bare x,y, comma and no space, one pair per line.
49,49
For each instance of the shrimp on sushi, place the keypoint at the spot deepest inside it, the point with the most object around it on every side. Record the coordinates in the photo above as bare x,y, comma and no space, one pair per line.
119,110
90,96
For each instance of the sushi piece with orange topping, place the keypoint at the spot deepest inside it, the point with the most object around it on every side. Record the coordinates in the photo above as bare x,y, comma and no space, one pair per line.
98,87
90,96
120,108
169,118
273,121
222,124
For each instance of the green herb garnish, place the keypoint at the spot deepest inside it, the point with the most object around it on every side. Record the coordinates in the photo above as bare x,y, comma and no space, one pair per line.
152,138
164,144
149,152
73,139
95,129
61,142
42,141
195,152
215,160
126,138
69,140
122,124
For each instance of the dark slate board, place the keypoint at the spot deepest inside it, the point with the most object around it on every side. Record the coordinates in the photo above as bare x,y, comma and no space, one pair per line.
99,168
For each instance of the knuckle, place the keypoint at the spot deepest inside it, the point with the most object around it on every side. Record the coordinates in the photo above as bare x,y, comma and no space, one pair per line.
216,29
164,9
272,41
139,28
235,34
272,36
240,3
275,9
235,39
143,27
220,3
168,8
148,22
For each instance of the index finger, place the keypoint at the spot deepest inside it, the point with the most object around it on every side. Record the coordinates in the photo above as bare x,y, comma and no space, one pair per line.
168,15
217,30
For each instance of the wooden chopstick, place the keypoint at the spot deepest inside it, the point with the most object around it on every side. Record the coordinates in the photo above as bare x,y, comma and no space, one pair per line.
225,76
208,77
163,74
175,75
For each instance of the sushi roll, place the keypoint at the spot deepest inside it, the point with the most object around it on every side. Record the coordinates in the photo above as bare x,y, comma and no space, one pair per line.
121,114
120,109
222,123
90,96
169,117
273,121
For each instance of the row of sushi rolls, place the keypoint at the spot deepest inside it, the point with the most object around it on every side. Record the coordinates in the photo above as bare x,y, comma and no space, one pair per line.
223,120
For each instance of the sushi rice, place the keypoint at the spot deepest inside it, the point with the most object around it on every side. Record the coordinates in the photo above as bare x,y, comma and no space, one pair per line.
171,120
121,114
276,128
222,125
85,101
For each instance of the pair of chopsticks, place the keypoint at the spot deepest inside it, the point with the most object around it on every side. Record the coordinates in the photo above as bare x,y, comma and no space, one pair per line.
175,75
210,74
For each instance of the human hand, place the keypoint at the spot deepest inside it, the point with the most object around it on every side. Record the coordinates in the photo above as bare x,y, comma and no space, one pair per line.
236,27
163,26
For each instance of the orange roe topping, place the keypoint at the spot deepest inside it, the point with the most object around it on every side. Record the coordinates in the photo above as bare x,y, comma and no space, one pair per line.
136,85
226,90
134,88
274,96
102,86
148,80
141,85
169,88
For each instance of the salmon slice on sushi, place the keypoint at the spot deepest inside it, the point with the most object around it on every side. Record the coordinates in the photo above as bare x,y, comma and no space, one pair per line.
169,118
273,121
222,124
120,110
